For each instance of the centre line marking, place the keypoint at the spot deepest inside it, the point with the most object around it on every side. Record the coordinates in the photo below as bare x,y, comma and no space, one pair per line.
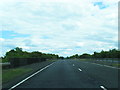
79,69
103,87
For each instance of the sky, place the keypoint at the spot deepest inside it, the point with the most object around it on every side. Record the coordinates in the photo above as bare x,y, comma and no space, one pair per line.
63,27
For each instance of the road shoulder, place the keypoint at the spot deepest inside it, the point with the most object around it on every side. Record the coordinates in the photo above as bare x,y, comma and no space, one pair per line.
35,67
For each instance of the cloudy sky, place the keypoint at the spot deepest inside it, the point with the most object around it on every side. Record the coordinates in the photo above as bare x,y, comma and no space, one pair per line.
63,27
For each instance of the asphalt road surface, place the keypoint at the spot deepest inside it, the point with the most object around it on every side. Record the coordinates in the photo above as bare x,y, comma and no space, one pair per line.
73,74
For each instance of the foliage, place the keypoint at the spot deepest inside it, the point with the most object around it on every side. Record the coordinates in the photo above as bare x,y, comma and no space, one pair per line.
114,53
19,53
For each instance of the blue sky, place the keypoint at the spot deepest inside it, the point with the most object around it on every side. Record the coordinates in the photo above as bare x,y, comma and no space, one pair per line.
63,27
100,5
11,34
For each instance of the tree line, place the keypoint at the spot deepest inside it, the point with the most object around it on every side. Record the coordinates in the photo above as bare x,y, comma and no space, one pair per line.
19,53
18,57
113,53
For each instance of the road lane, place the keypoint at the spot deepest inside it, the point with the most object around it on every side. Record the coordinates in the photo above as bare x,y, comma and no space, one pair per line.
105,75
62,74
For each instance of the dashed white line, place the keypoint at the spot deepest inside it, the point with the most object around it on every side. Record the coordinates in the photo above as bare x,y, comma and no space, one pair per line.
73,65
103,87
79,69
29,77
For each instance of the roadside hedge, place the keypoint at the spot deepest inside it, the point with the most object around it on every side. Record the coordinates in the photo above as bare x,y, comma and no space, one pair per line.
16,62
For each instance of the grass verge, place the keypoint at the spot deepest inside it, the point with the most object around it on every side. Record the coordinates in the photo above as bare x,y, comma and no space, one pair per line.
102,62
10,74
116,65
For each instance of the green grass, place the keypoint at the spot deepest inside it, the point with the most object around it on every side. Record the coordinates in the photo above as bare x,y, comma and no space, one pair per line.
10,74
0,60
84,60
0,76
52,60
103,63
4,60
116,65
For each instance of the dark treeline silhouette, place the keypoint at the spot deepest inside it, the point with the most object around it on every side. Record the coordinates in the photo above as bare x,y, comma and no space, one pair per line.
114,53
18,57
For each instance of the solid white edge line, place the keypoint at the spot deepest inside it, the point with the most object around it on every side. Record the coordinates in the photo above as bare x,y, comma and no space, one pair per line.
79,69
103,87
30,77
106,66
111,67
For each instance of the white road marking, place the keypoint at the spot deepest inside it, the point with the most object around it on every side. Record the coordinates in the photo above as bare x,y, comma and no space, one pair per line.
105,66
98,64
103,87
79,69
111,67
29,77
73,65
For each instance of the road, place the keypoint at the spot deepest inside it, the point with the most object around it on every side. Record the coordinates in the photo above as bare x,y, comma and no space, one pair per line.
73,74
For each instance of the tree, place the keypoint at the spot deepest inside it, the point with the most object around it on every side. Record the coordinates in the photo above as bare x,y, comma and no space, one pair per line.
85,55
17,49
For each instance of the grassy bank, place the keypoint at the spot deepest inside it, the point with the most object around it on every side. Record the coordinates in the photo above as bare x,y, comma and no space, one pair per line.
114,64
10,74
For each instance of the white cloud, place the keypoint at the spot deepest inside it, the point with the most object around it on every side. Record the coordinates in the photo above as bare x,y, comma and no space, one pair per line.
2,39
65,27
